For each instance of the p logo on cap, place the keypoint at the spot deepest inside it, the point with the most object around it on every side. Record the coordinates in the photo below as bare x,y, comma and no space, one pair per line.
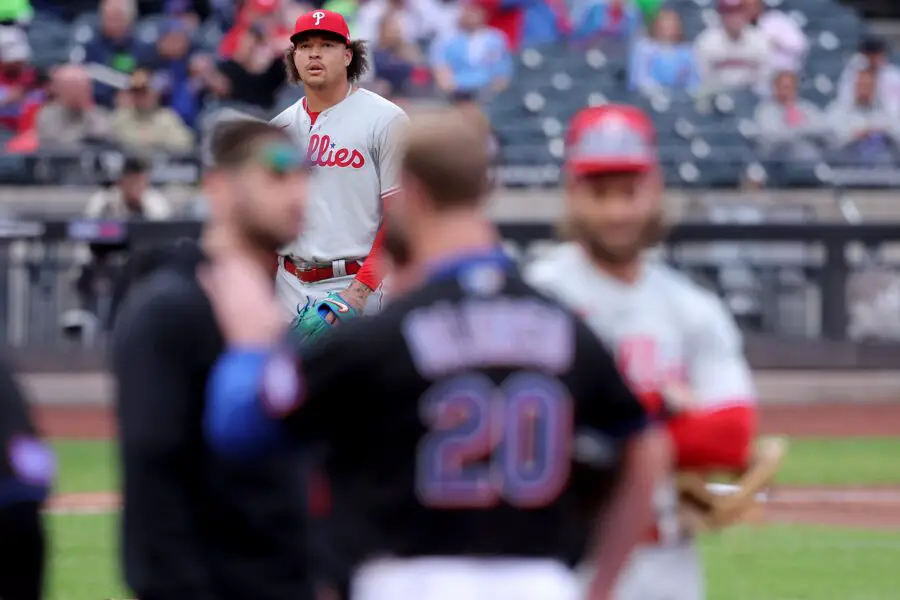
326,21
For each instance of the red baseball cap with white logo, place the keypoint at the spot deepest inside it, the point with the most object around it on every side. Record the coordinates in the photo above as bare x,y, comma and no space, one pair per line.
613,138
322,20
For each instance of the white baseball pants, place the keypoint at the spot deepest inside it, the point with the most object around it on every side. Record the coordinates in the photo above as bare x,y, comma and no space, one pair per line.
455,578
672,572
293,293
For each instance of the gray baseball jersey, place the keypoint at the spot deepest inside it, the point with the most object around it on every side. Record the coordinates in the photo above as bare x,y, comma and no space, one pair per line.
663,329
354,148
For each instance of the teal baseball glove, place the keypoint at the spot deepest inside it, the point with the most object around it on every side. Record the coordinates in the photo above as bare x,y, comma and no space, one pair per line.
312,320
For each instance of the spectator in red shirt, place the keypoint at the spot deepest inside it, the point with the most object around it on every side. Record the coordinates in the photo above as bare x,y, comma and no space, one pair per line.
266,16
17,77
528,23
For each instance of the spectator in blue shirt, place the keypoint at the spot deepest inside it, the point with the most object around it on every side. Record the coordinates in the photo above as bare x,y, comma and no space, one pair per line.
475,59
170,63
113,45
664,60
596,20
184,11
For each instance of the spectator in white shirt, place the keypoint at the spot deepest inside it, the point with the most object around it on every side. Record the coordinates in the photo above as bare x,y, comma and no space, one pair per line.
789,126
872,54
734,54
419,19
131,198
787,42
863,130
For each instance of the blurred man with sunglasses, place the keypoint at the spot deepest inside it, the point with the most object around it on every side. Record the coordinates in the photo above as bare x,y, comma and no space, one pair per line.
195,527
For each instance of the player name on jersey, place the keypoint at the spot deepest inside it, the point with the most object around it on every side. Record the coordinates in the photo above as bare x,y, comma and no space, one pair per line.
476,333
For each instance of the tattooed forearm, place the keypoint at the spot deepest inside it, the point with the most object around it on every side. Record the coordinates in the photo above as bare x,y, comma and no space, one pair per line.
356,294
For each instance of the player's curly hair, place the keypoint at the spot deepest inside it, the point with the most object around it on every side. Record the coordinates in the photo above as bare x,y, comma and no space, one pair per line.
359,63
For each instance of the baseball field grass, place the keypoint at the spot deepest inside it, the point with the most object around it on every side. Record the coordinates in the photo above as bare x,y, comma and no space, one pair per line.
771,562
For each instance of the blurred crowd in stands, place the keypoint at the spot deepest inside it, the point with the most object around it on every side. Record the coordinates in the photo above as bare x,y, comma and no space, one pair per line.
139,75
755,92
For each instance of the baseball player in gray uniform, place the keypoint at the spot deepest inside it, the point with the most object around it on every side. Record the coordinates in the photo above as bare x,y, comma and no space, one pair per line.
668,334
331,272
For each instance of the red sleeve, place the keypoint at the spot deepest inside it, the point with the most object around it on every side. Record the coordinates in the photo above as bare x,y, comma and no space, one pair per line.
229,42
714,439
372,271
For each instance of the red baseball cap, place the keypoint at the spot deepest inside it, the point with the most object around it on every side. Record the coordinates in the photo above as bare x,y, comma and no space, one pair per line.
731,5
610,139
322,20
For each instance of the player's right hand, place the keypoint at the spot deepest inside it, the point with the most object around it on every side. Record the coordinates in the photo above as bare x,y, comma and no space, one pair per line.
242,299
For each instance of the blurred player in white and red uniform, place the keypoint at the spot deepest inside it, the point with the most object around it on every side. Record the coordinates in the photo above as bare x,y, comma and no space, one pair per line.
672,338
351,140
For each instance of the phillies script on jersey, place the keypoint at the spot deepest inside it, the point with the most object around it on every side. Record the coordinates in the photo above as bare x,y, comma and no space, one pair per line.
322,152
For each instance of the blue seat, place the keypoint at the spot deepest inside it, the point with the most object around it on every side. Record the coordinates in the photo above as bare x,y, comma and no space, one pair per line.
527,155
148,29
48,56
542,60
519,132
817,96
799,175
13,169
717,175
737,103
84,29
208,35
827,71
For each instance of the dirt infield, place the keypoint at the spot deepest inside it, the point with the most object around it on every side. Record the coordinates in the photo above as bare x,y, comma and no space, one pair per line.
819,420
866,508
858,507
869,508
76,422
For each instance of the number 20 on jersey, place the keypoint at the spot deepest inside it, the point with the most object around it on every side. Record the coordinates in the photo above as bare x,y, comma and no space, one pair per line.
488,444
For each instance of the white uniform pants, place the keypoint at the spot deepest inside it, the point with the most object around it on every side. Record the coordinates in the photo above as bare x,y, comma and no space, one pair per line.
293,293
455,578
671,572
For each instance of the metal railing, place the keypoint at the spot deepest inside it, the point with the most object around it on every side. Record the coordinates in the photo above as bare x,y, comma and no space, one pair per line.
790,285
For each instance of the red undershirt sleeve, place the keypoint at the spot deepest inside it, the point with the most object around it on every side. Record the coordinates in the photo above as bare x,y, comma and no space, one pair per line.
708,439
718,432
714,440
373,270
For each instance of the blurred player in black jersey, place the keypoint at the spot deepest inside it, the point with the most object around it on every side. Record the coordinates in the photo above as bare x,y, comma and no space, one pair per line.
196,527
26,473
469,425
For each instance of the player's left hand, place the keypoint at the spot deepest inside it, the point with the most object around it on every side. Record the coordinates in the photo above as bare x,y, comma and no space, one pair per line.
240,292
318,317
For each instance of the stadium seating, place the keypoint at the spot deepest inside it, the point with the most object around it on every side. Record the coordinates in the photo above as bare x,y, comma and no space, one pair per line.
704,142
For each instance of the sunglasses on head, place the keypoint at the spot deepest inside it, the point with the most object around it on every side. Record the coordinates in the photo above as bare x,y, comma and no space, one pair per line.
282,158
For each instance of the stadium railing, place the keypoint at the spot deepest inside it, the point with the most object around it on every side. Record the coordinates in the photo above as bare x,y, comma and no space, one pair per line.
809,276
686,166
